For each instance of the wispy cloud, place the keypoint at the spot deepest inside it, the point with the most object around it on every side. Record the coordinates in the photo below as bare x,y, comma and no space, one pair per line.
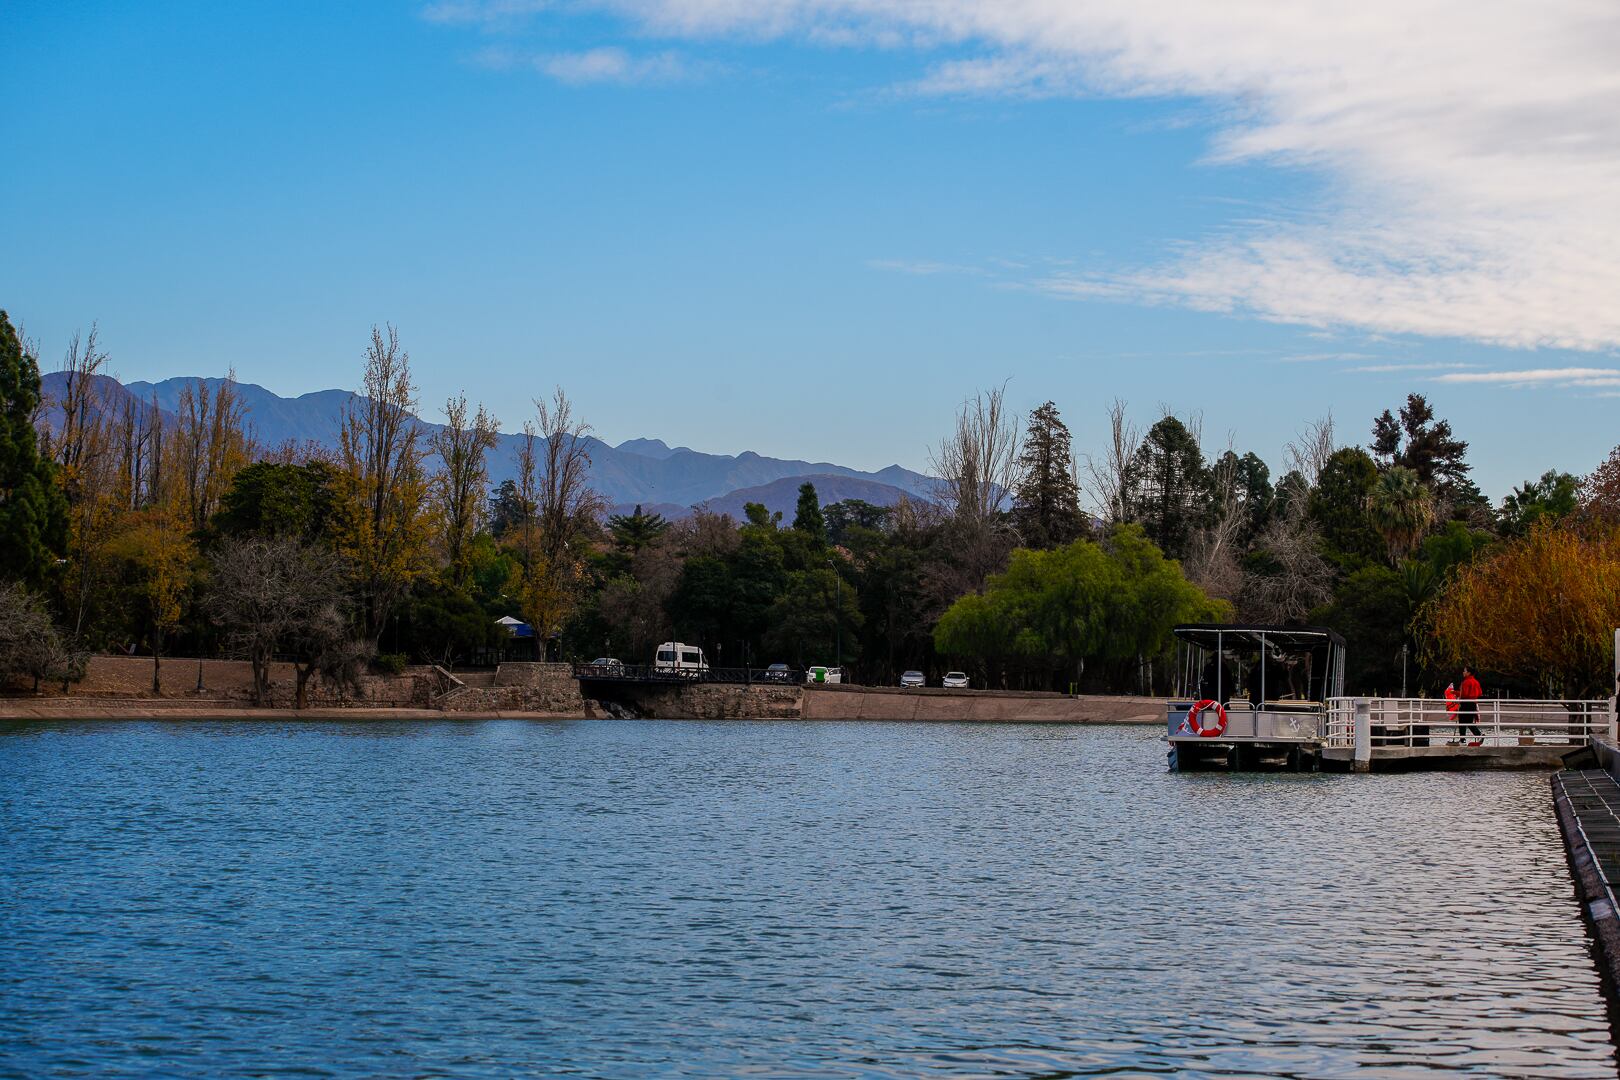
1389,369
1472,147
609,64
1577,377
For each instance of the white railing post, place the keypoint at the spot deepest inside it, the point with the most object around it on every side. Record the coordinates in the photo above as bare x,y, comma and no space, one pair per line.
1363,753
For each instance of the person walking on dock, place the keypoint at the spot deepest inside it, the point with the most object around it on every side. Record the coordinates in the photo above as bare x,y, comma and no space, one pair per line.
1468,708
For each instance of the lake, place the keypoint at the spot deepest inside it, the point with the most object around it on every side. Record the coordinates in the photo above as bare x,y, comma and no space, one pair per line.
635,898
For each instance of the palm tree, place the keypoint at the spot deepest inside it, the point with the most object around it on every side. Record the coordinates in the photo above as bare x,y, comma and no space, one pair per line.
1402,510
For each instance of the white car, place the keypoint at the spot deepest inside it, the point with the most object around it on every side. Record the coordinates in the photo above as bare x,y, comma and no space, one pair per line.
912,678
956,680
819,674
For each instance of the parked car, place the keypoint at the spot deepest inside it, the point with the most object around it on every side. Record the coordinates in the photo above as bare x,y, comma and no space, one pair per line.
679,658
607,662
819,674
956,680
912,678
780,673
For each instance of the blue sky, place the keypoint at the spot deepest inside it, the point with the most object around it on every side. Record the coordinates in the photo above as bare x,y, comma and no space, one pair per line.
812,232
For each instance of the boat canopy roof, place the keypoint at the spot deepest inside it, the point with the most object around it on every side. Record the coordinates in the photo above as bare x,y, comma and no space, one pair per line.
1206,635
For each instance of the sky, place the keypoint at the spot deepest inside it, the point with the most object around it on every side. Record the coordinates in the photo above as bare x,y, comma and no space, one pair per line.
812,228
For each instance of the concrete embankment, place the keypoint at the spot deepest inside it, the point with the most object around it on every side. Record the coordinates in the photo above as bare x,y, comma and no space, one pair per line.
120,686
977,706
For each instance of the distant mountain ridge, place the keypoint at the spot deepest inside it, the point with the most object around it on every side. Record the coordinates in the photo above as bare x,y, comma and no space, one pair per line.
645,471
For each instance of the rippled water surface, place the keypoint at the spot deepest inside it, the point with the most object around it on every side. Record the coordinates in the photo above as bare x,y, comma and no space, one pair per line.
636,898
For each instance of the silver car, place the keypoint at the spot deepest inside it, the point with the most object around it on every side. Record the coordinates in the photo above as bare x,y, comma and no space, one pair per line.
911,678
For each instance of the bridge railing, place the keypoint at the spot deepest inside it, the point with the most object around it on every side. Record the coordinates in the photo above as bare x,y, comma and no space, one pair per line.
1417,722
649,673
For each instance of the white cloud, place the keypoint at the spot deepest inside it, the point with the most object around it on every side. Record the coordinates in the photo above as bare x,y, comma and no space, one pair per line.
1389,369
1472,146
1568,377
609,64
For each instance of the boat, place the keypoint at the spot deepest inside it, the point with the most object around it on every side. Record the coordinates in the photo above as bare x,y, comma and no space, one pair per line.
1252,695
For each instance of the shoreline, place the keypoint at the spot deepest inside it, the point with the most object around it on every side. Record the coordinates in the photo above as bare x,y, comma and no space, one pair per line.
46,708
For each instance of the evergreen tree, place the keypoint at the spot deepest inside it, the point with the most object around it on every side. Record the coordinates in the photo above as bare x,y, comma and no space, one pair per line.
1046,503
33,513
1169,486
1417,441
632,532
808,519
1339,506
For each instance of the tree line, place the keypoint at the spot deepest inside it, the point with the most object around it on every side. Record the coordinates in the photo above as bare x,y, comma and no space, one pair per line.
1030,566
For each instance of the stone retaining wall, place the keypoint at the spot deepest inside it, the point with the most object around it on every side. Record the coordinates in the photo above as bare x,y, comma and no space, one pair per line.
231,681
719,701
540,688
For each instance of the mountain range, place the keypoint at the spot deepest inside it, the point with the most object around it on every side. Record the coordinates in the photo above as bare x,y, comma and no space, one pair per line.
641,471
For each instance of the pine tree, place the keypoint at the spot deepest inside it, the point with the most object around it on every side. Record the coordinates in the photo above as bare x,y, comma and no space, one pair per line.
33,513
1046,503
808,518
1169,487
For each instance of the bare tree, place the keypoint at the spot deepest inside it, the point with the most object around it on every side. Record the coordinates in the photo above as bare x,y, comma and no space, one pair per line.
276,595
382,532
1299,579
80,438
564,508
462,445
1212,559
31,647
1308,453
1106,477
211,445
977,463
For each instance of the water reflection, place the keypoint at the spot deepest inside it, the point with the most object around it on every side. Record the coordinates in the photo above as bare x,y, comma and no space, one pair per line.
626,899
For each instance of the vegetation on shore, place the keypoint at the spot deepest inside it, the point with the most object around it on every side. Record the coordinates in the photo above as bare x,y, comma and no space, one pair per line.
1033,567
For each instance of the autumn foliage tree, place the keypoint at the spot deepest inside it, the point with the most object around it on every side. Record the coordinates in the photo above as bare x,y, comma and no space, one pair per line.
1541,608
382,531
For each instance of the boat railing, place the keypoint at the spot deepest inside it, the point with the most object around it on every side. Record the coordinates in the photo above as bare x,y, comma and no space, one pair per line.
1416,722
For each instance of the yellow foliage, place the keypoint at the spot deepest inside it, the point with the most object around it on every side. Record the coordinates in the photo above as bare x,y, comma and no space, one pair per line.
1541,608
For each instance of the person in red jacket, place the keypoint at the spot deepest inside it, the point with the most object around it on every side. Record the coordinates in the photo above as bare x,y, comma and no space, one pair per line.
1468,707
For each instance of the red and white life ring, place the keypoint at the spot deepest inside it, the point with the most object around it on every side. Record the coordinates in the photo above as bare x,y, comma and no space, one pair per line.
1195,723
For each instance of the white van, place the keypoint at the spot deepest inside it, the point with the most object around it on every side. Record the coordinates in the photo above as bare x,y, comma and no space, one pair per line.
677,657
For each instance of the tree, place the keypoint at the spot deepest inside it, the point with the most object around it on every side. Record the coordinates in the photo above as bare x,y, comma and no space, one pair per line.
276,594
1113,600
507,507
1402,510
1541,608
807,517
279,499
381,530
633,532
1417,441
31,647
1169,490
1554,495
977,463
1600,492
33,513
846,516
462,445
153,555
1046,503
565,509
1338,505
803,622
210,445
1108,477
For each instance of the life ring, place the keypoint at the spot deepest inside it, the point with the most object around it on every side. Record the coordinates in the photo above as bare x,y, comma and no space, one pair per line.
1197,728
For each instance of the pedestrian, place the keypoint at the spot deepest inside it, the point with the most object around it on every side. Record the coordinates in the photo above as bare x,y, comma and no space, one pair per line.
1468,708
